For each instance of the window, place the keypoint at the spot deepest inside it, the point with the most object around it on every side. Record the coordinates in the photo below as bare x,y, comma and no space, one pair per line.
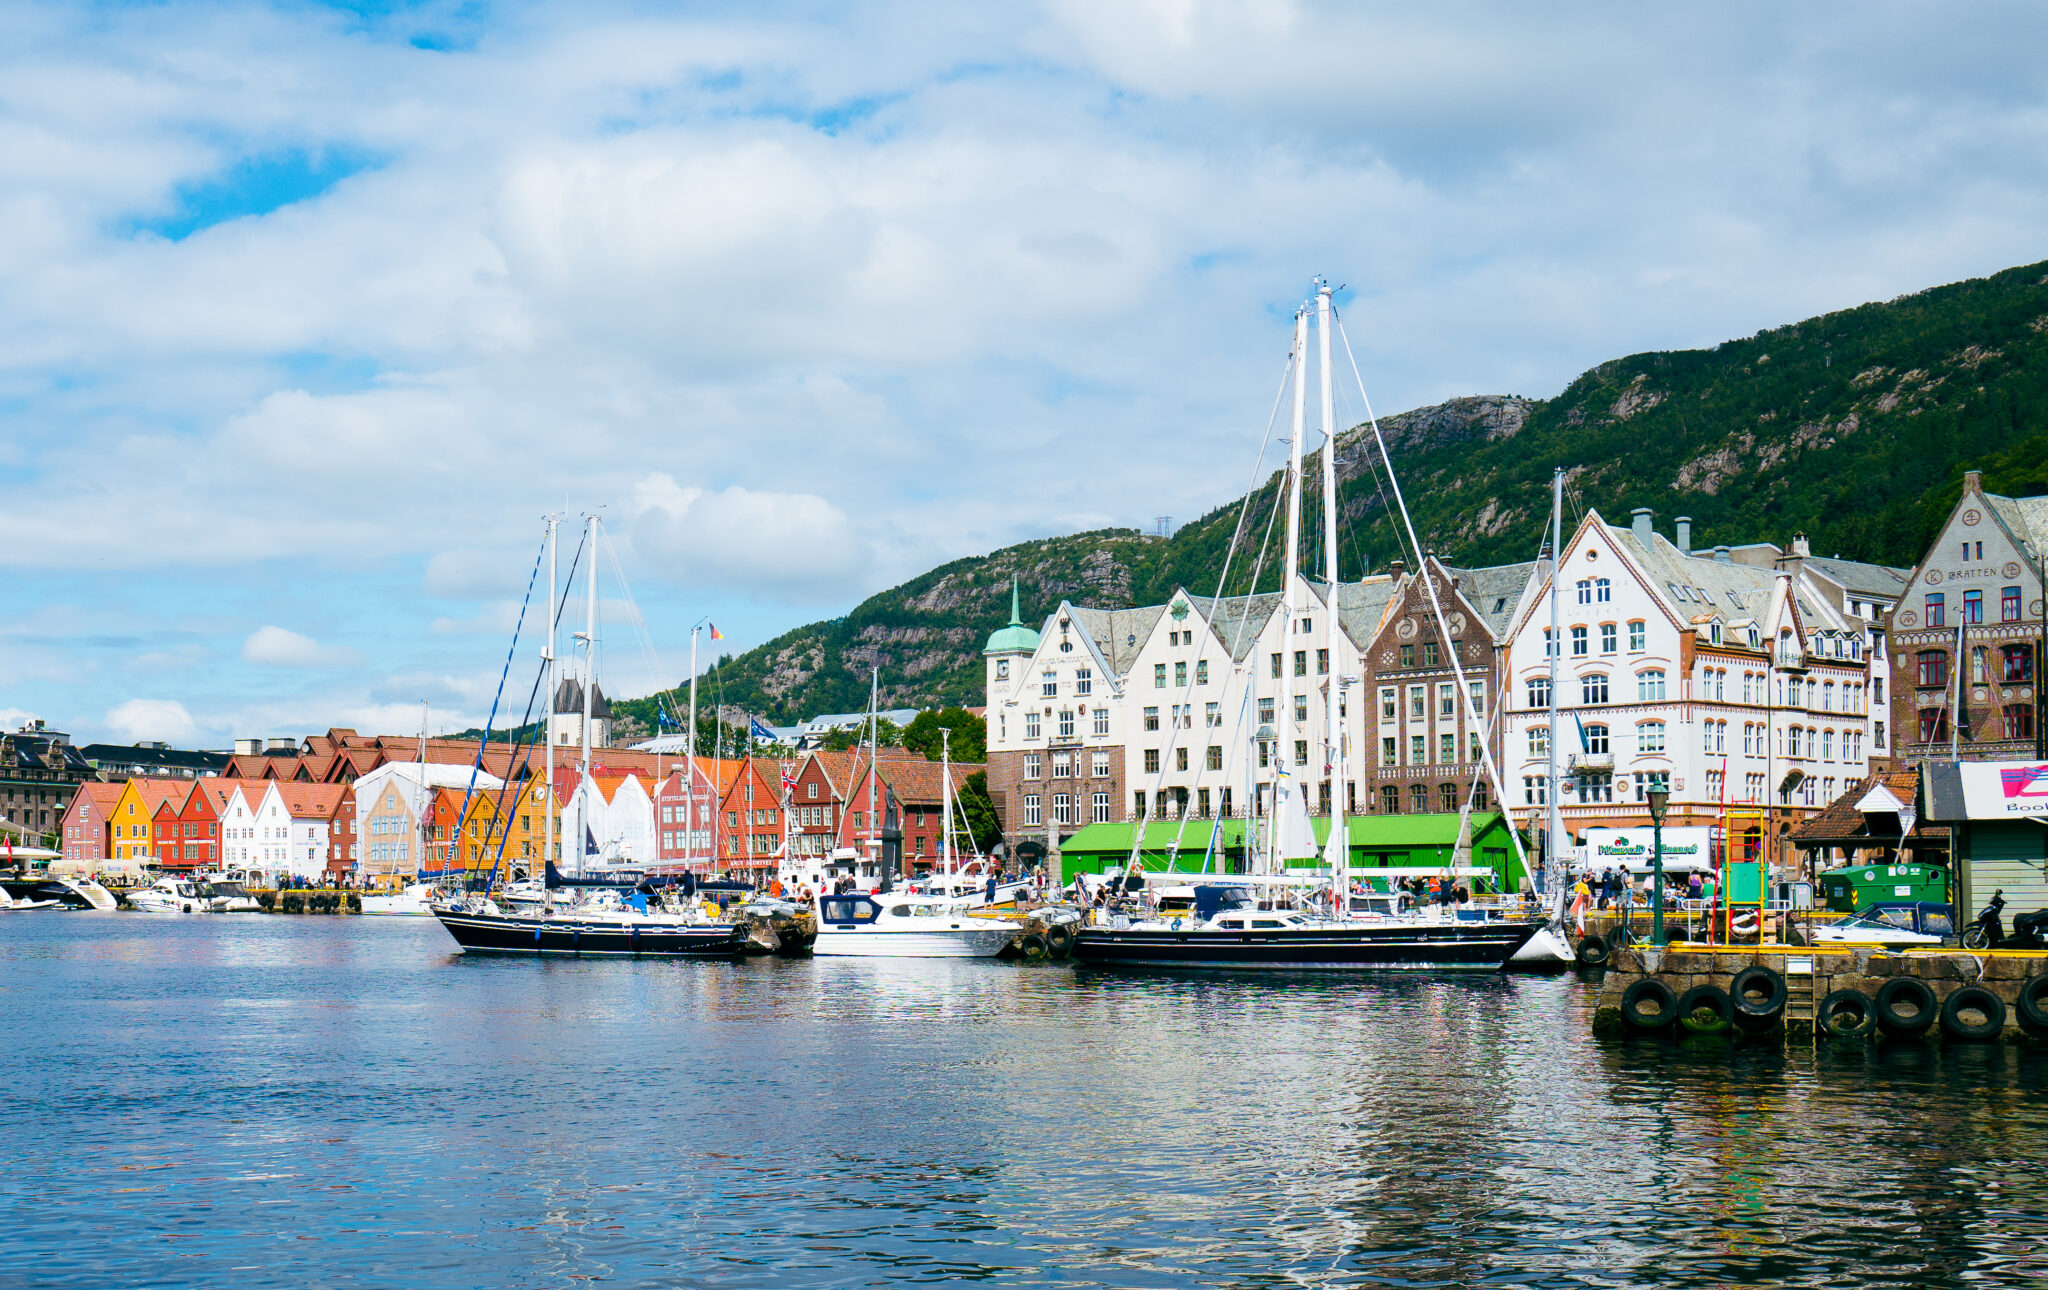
1418,750
1827,745
1084,680
2009,605
1936,609
1652,781
1152,718
1933,725
1607,638
1180,674
1933,667
1585,588
1062,809
1215,756
1066,724
1637,637
2019,662
1151,761
1602,590
1650,685
1322,663
1301,662
1101,808
1418,798
1595,786
1266,711
1480,799
1388,704
1973,607
1596,739
1301,752
1390,800
1301,709
2019,721
1101,723
1549,643
1418,701
1062,765
1593,688
1031,725
1159,676
1390,751
1447,798
1539,692
1031,812
1407,656
1180,759
1447,700
1578,642
1276,665
1535,790
1049,683
1429,655
1539,741
1650,737
1478,690
1447,749
1034,765
1098,765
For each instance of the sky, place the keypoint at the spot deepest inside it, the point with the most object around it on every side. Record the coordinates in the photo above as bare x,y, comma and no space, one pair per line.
310,314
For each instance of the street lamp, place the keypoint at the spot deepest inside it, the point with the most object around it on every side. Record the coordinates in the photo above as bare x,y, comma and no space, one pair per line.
1659,799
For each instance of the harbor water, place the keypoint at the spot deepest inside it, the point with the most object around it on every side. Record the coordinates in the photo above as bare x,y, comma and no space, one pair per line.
260,1101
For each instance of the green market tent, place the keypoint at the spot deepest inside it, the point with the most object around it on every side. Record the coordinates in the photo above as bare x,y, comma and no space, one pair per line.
1377,842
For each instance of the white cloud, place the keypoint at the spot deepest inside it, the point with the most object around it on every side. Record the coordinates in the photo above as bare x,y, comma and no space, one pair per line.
15,718
164,719
281,647
775,545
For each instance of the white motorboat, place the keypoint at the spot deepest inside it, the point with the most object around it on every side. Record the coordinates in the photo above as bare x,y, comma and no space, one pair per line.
229,890
902,925
176,896
412,900
70,891
10,904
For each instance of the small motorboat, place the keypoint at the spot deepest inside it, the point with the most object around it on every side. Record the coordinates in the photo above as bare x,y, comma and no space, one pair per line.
10,905
235,897
906,925
63,891
600,925
176,896
412,901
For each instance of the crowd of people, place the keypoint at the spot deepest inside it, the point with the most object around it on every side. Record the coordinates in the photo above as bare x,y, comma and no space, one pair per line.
1618,889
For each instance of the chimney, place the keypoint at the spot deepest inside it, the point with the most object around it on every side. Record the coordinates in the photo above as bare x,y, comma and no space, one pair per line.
1800,546
280,745
1642,524
1973,481
1721,554
248,747
1684,534
1398,568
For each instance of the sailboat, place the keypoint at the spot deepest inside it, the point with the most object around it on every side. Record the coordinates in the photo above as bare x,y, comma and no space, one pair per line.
1245,922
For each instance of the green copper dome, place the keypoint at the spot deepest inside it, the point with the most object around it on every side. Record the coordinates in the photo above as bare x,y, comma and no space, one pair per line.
1016,638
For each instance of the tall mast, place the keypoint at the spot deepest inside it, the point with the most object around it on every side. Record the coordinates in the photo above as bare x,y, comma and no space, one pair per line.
1553,868
874,751
549,844
1339,846
946,800
1285,690
690,766
589,680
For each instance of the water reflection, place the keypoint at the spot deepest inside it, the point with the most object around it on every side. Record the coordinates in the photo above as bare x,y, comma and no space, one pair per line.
274,1101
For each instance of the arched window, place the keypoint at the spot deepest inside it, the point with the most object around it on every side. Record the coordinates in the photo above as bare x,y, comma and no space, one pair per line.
1650,737
1447,798
1603,591
1585,590
1593,687
1418,799
1650,685
1539,692
1596,739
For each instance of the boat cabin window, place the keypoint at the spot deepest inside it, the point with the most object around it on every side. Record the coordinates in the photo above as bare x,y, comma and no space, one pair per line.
1267,922
847,910
899,911
1236,924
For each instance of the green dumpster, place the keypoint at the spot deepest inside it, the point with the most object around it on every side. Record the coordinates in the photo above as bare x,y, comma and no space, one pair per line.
1860,886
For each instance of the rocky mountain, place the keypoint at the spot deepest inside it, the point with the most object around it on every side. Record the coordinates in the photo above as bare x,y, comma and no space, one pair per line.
1852,428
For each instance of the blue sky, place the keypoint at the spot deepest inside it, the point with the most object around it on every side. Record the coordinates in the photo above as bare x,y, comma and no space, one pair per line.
308,313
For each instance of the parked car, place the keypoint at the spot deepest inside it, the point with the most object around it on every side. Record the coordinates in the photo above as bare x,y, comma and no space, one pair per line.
1894,923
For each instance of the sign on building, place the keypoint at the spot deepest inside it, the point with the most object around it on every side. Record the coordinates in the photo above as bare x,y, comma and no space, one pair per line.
1685,848
2004,790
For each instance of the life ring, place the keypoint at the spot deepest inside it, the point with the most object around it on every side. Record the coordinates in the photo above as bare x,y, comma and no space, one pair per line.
1978,999
1847,1013
1710,999
1663,1003
1758,994
1906,1005
2033,1003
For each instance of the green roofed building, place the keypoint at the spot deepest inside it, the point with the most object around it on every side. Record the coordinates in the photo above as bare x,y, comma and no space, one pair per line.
1377,842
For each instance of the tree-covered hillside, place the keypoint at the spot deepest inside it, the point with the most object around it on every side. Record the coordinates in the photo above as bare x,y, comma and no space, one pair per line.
1852,428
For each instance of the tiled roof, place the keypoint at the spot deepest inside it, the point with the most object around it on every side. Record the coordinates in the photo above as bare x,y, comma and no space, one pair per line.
2027,517
1118,633
102,796
920,782
304,801
1495,590
1842,825
1869,579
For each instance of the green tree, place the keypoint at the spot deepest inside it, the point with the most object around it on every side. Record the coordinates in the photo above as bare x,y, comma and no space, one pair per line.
979,812
887,735
970,735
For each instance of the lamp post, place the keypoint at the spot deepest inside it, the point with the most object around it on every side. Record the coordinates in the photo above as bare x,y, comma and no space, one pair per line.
1659,799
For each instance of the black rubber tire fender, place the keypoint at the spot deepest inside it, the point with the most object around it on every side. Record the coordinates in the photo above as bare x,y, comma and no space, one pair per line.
1906,1005
1972,997
1592,952
1651,990
1059,939
2033,1003
1768,982
1847,1013
1711,998
1031,947
1616,937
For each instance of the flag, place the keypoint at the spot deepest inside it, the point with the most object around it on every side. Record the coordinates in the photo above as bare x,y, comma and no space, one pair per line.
759,731
715,633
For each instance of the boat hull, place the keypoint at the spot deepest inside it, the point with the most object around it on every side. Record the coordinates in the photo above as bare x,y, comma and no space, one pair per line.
965,943
71,893
1433,947
590,938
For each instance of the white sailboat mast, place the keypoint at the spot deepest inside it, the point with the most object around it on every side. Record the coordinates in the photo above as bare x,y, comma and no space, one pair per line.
1338,849
1553,868
946,800
690,763
1289,607
874,751
549,844
589,679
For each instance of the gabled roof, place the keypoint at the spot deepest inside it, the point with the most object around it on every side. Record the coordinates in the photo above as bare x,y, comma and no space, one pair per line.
1865,579
920,782
2026,517
100,796
1237,621
1118,633
303,801
1361,606
153,793
1494,591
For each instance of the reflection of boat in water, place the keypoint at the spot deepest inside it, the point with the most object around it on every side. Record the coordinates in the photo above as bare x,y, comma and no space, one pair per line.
175,896
53,890
906,925
411,900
